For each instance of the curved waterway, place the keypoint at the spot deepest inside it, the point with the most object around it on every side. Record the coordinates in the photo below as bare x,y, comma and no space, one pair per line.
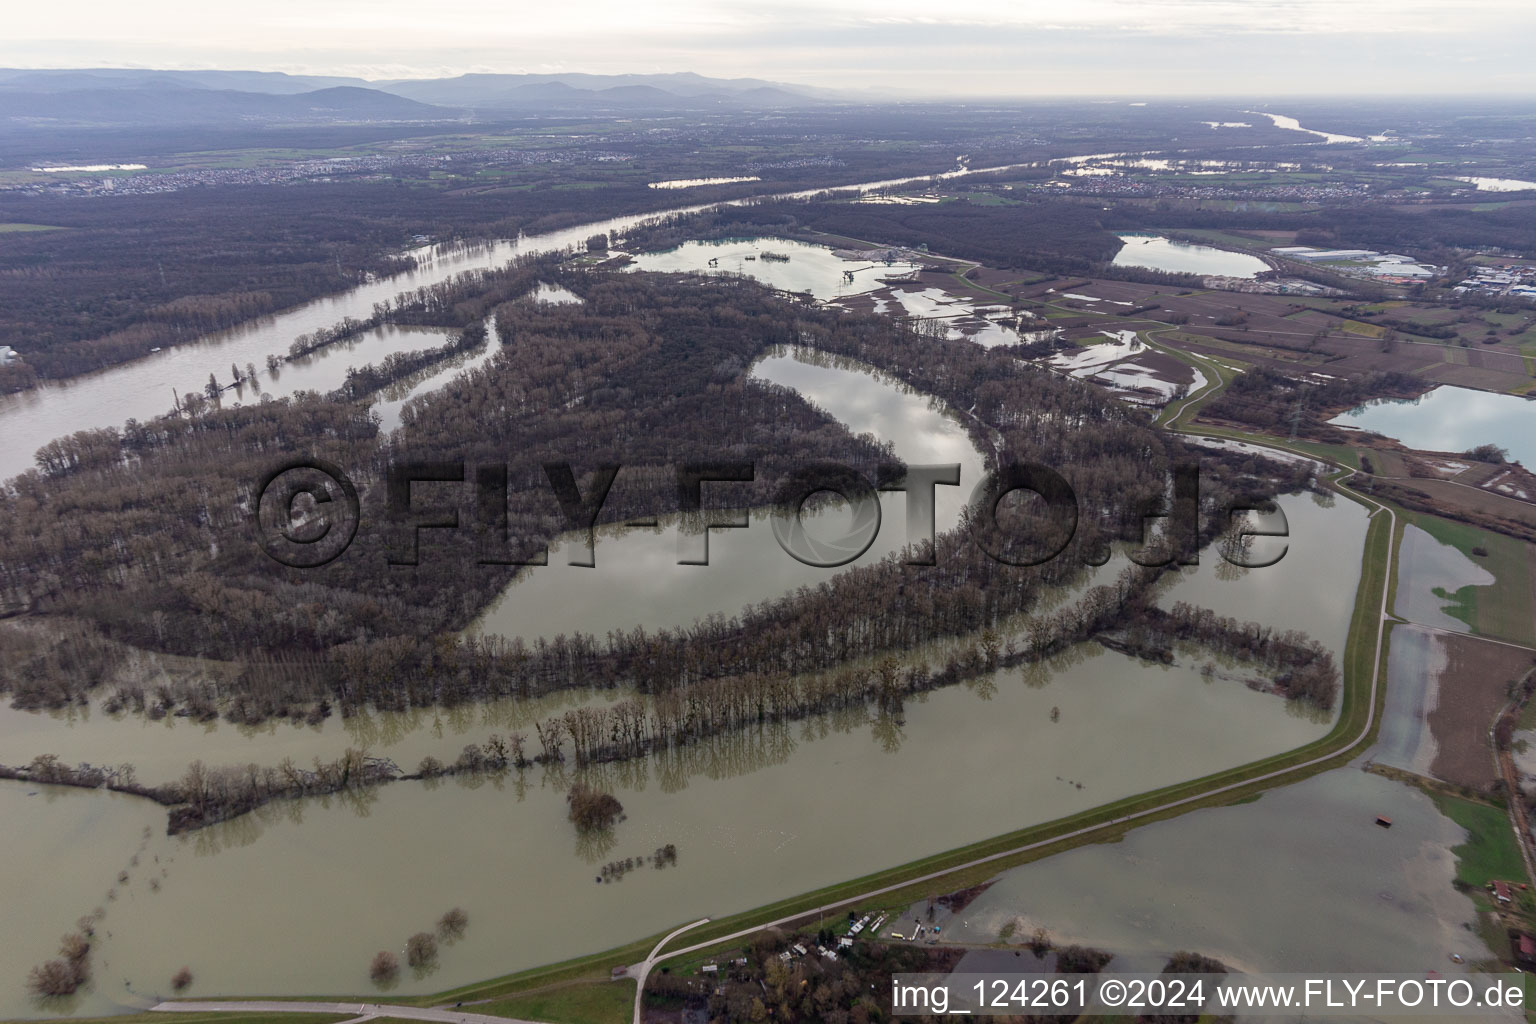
143,388
636,579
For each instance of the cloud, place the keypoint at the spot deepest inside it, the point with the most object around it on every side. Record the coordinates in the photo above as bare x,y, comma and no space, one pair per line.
983,47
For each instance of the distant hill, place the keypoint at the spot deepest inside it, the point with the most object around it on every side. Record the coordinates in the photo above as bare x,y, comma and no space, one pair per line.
683,91
118,96
160,103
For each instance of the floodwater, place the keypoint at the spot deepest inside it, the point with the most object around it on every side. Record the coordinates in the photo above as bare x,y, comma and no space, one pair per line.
1155,252
696,182
142,389
161,750
1311,589
1429,575
755,817
1497,184
1452,419
1415,663
637,580
390,402
810,268
149,387
1300,880
62,849
987,324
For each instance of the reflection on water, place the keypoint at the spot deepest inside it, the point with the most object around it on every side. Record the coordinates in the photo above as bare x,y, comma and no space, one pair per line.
142,389
391,401
62,849
637,581
1300,880
1429,574
1452,419
1312,588
161,750
1415,662
1158,253
1291,124
756,817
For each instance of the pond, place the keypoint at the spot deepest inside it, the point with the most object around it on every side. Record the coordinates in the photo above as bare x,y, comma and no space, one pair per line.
1155,252
1452,419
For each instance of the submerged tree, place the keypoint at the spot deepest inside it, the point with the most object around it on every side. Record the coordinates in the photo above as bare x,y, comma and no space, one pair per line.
384,968
420,949
592,808
452,924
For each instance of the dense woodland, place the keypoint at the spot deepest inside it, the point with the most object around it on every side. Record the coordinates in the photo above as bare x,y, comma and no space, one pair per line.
1272,402
132,273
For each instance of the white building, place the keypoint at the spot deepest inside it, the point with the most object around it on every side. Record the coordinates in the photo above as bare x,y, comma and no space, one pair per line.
7,355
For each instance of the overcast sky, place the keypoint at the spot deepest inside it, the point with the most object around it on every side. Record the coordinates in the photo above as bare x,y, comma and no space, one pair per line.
980,47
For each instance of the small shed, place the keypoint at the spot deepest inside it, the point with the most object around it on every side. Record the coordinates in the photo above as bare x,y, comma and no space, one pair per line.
1383,821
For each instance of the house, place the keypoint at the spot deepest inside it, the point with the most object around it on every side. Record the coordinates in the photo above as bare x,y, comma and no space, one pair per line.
1525,948
7,355
1501,892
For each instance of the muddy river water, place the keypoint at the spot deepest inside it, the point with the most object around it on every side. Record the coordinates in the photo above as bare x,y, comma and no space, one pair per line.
756,817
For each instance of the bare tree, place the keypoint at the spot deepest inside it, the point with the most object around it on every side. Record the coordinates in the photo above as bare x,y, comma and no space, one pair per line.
384,968
452,924
420,949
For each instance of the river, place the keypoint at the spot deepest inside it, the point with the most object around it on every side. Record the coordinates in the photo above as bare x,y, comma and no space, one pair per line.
143,388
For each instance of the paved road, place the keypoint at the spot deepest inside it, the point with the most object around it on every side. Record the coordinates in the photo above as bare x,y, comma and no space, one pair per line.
640,970
359,1011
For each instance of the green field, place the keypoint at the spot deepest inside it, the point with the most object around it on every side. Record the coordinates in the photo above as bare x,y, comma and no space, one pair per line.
589,1002
1490,851
1504,609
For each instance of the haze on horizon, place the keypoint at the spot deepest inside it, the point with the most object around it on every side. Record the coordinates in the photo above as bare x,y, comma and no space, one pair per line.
897,48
